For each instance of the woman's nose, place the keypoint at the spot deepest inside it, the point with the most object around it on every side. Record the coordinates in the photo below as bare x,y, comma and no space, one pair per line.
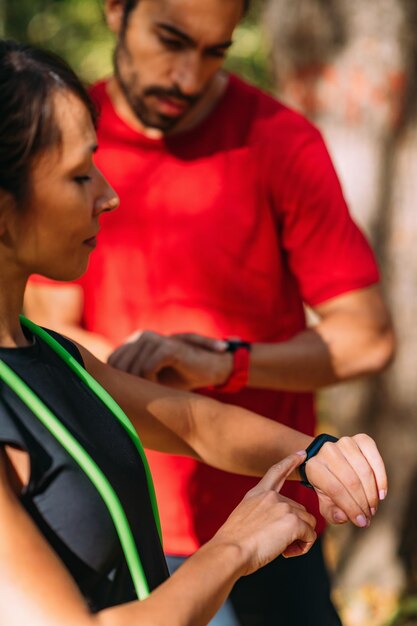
106,199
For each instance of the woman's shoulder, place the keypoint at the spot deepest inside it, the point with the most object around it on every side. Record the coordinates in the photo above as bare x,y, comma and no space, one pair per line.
66,343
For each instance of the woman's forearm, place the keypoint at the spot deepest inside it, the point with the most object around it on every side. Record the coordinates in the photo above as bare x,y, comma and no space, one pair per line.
224,436
190,597
236,440
347,475
38,589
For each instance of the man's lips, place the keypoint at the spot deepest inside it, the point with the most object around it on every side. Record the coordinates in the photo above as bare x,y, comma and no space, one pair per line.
171,106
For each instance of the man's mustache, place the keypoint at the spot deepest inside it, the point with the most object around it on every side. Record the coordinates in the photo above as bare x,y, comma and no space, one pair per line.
174,92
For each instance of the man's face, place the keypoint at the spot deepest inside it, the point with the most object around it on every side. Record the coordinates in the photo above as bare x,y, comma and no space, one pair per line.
169,53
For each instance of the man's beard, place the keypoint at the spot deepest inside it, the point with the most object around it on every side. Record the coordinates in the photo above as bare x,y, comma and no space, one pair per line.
137,99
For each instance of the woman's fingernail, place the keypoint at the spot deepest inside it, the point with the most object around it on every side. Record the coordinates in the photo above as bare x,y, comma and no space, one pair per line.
362,521
339,518
382,494
301,453
373,510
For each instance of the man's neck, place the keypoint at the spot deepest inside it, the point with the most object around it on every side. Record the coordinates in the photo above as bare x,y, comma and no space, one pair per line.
196,116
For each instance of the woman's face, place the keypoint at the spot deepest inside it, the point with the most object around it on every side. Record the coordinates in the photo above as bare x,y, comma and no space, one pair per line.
55,231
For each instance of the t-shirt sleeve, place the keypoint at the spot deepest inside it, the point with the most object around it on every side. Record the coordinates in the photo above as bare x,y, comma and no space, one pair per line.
326,251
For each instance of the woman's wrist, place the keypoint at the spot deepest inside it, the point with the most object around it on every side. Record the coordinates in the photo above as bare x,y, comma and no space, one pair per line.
230,553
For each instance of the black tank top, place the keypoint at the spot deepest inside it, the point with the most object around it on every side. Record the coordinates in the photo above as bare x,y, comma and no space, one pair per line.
60,498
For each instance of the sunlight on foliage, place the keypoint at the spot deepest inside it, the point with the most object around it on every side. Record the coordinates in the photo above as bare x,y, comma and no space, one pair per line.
249,55
368,605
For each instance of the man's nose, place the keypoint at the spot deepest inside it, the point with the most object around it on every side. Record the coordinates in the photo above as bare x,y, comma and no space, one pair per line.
188,74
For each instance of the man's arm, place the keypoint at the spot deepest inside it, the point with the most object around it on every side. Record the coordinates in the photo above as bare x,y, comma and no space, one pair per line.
353,337
60,307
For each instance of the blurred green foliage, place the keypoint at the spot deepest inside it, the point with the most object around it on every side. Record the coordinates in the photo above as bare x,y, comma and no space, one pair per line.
406,614
76,30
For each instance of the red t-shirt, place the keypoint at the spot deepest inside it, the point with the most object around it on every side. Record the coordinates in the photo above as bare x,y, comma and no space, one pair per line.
224,230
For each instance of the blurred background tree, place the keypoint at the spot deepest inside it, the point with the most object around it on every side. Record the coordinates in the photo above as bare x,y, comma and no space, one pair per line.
351,66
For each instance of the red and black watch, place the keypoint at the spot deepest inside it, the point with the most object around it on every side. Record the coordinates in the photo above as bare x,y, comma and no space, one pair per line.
238,378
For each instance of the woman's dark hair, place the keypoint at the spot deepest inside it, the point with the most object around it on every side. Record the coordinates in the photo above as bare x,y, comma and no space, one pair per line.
29,78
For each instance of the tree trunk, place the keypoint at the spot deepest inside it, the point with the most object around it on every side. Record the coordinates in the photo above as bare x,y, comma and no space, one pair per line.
351,67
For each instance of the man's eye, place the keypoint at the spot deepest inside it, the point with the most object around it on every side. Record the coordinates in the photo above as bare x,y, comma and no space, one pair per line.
172,44
82,179
218,54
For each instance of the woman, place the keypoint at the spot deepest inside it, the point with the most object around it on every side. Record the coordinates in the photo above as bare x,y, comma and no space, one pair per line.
61,559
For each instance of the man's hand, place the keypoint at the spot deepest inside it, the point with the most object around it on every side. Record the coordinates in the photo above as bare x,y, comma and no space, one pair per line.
184,361
350,480
266,524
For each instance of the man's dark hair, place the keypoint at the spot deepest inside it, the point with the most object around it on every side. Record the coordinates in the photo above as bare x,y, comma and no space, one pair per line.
29,79
130,5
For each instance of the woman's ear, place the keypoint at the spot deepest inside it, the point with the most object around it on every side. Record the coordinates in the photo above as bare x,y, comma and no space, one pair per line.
114,11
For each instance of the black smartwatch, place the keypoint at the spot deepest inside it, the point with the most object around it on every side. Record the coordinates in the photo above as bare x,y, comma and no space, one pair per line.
311,451
235,344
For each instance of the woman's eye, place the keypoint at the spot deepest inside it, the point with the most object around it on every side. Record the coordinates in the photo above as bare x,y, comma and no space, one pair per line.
82,179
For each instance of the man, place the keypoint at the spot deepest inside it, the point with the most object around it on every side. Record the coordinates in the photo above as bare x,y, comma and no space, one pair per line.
231,217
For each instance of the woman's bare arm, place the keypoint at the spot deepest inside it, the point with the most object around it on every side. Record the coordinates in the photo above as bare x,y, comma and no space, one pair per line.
349,476
224,436
37,589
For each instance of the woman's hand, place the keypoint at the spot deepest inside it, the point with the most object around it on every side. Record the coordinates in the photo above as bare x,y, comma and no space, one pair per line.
350,480
266,524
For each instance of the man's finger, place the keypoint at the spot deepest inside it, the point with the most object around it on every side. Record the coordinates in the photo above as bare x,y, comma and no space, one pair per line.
158,360
142,358
200,341
132,357
121,358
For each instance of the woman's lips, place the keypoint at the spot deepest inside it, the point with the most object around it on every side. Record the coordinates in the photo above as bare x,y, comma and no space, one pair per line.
91,242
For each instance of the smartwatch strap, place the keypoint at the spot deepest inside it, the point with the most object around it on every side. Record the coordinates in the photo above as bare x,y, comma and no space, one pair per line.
311,451
238,379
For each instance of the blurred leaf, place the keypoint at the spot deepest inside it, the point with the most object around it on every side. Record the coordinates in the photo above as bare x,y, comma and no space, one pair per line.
74,29
249,53
406,615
